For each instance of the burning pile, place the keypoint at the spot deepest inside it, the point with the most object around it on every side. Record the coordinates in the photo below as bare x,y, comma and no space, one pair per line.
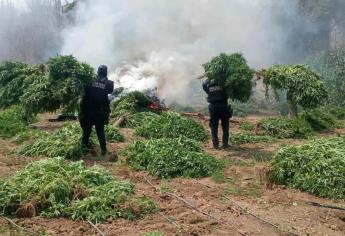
135,109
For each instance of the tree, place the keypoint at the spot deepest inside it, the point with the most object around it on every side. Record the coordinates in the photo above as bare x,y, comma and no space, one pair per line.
303,87
331,66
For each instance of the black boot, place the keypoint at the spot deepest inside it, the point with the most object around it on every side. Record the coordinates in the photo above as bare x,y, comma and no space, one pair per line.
104,152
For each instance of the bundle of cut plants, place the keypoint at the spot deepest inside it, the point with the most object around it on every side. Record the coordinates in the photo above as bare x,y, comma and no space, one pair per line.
60,88
172,157
303,87
233,73
172,125
317,167
66,142
56,188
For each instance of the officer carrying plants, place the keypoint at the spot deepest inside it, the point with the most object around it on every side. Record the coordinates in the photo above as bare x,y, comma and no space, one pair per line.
219,110
95,108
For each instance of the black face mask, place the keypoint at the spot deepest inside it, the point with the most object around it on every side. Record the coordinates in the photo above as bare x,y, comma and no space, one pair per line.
102,71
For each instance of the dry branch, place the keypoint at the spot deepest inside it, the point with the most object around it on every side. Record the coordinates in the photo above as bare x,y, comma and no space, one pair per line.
96,228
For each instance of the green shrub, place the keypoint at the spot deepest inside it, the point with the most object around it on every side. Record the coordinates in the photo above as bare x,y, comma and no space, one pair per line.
169,158
172,125
65,142
56,188
283,127
317,167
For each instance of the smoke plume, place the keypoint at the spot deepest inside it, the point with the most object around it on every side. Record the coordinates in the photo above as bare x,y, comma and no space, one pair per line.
163,44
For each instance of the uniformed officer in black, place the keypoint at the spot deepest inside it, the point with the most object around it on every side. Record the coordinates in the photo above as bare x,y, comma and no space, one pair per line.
219,110
95,108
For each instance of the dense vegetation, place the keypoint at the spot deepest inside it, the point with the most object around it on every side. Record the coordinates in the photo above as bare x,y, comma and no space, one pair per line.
284,127
233,73
65,142
172,157
172,125
303,87
317,167
15,77
14,122
55,188
41,89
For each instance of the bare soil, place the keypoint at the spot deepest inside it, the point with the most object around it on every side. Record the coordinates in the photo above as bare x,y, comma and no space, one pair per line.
209,206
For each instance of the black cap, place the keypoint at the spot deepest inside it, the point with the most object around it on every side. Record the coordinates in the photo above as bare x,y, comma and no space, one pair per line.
102,71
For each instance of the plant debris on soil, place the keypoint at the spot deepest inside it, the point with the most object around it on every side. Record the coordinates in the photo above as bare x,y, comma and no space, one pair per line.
242,138
172,157
138,119
14,122
55,188
172,125
317,167
66,142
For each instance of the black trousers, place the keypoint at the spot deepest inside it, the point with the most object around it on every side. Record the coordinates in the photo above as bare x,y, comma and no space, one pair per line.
219,112
87,121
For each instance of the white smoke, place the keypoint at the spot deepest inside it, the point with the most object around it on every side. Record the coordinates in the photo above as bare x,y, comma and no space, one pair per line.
162,43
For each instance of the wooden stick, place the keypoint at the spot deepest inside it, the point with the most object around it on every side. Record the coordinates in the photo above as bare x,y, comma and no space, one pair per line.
121,119
325,206
96,228
246,211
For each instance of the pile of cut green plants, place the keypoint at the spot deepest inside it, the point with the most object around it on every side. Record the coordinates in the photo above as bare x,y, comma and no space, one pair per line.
66,142
246,137
285,127
172,157
14,122
172,125
317,167
324,118
55,188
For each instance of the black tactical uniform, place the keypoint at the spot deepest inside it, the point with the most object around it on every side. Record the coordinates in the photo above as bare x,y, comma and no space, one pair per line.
95,108
219,110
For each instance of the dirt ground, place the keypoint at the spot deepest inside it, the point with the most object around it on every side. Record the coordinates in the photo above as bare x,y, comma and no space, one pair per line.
240,202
